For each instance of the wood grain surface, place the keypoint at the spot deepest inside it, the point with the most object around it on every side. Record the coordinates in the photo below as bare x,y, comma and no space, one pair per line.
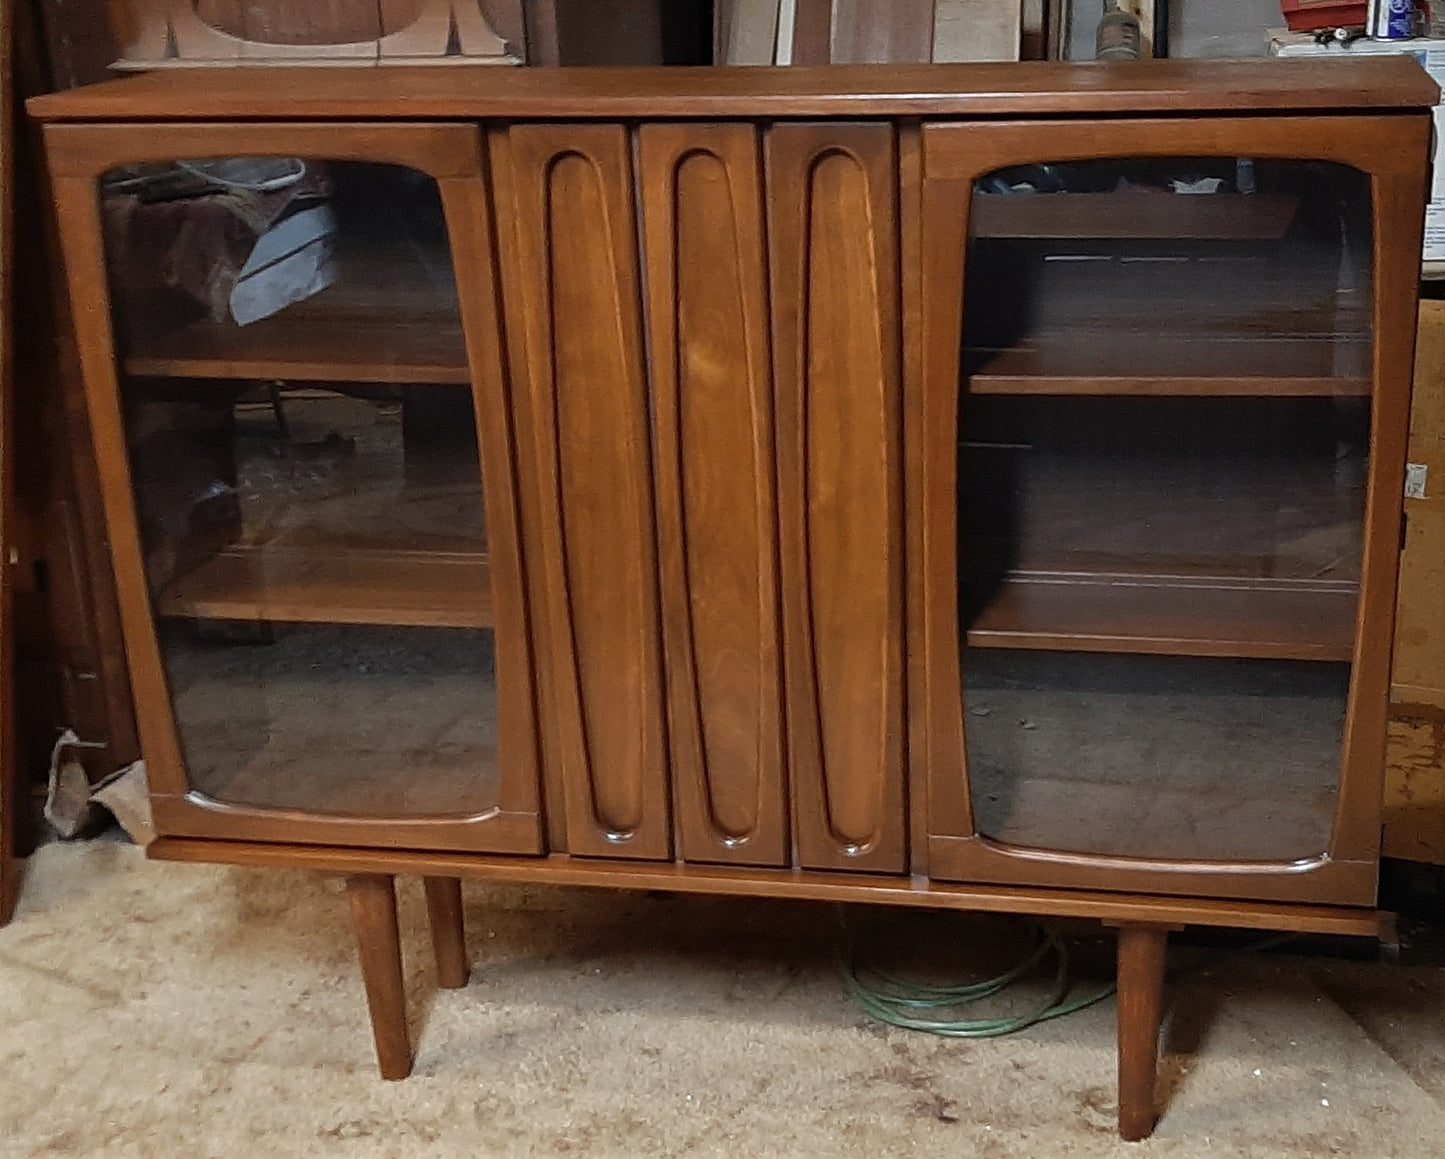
1048,89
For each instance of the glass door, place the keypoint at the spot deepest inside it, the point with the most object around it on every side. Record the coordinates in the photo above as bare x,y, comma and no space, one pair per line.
315,501
1163,416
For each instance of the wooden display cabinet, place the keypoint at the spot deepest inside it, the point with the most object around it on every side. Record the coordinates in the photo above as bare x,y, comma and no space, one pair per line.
780,482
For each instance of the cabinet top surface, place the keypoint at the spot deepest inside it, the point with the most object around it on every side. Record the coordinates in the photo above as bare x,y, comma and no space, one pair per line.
934,90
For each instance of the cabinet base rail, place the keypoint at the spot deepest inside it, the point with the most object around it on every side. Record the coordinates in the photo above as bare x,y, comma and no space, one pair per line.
1143,923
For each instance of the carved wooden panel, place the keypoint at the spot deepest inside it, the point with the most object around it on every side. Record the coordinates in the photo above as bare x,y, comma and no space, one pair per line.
576,297
833,212
180,33
712,384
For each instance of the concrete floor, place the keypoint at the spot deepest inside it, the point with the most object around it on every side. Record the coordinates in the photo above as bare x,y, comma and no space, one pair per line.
171,1010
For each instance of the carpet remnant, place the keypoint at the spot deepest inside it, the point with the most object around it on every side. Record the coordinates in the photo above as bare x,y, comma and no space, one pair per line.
161,1010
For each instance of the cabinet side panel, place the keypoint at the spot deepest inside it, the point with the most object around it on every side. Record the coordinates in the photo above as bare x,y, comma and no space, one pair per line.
834,212
581,305
702,201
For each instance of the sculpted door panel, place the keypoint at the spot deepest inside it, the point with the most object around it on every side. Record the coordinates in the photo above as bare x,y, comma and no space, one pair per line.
833,214
712,384
577,300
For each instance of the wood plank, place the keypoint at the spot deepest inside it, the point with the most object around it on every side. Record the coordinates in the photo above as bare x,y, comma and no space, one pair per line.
815,885
1414,816
1170,615
319,22
752,32
1169,217
833,214
813,32
712,389
1414,822
1418,674
899,32
381,586
1114,359
978,30
955,90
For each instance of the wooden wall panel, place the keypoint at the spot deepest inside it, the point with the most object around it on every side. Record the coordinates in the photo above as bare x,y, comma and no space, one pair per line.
576,297
1415,756
900,32
834,221
712,384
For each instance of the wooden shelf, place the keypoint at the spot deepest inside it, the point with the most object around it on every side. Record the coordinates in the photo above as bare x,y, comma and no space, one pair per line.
1188,318
352,586
1167,216
1132,362
1291,619
388,318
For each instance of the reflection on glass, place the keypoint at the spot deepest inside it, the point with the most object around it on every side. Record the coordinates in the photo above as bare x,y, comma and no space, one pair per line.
305,462
1163,453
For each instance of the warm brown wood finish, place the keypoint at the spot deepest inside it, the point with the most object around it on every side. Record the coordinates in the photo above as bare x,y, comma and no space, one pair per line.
448,930
373,912
577,302
901,32
832,198
966,90
1388,149
712,384
813,885
1141,994
714,327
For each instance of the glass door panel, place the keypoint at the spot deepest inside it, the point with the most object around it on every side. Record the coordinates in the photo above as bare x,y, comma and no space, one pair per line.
1162,466
304,456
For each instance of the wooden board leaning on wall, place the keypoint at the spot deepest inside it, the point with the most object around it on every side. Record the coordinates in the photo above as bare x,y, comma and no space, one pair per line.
1415,772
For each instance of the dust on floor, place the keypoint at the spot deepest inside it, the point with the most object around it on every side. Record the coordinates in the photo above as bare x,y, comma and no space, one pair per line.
171,1010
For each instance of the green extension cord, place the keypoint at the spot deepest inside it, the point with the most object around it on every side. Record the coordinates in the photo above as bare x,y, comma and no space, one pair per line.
904,1003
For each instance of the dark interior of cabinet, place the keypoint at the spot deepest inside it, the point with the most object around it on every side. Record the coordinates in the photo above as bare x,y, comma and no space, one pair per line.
320,464
351,720
309,494
1159,602
1164,436
1204,526
1140,756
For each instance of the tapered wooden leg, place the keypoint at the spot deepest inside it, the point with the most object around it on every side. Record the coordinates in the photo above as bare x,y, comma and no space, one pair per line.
1141,994
373,912
448,931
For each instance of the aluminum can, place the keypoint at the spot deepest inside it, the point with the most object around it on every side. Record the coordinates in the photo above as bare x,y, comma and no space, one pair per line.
1391,19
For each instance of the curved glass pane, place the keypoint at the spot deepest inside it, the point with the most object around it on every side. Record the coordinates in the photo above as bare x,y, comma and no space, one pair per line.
1163,454
304,455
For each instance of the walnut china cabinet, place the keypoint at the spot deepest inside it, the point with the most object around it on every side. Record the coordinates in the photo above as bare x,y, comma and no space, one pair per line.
973,487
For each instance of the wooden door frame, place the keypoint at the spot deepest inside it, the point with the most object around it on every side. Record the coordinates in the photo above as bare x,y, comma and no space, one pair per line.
452,155
606,761
9,869
1390,149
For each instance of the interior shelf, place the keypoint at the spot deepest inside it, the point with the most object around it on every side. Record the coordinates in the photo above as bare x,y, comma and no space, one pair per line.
1124,361
1167,216
391,316
1188,318
353,586
1164,526
1170,615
